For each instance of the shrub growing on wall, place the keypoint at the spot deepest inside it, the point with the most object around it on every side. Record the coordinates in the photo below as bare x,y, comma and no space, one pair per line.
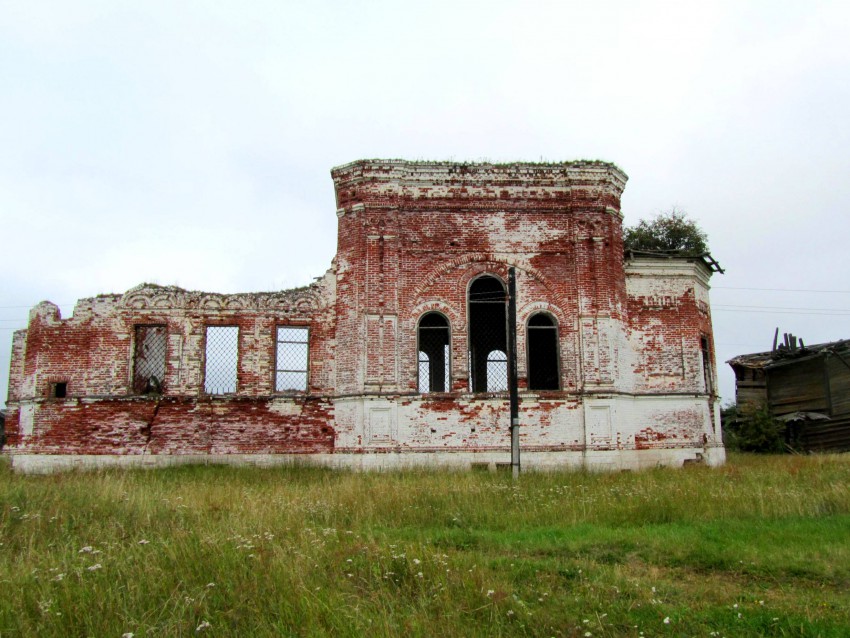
672,231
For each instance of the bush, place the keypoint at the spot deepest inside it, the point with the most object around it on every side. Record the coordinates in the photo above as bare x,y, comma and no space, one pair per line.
672,231
752,429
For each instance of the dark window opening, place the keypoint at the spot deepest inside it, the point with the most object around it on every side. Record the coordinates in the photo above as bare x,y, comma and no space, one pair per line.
708,373
292,359
434,358
221,361
149,359
487,336
543,369
59,390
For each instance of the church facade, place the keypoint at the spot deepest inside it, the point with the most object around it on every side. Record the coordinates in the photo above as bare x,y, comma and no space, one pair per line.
398,355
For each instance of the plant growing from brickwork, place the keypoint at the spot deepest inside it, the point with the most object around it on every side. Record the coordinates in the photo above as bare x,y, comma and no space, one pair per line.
671,231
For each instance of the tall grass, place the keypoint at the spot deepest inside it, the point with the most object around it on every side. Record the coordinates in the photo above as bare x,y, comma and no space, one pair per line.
758,547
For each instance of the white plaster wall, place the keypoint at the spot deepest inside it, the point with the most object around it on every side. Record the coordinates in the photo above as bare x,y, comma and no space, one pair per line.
530,461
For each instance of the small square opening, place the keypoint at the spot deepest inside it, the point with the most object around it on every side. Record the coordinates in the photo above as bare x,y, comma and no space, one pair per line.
59,390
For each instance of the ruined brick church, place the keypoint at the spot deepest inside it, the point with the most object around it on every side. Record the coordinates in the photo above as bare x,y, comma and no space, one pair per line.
397,356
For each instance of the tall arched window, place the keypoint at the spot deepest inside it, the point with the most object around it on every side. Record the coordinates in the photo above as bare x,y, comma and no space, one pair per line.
543,369
497,371
433,358
487,335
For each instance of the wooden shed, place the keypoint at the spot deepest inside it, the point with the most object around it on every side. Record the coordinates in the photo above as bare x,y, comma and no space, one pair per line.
807,387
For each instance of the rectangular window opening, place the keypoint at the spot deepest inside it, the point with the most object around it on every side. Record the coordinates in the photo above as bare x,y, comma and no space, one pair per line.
292,359
707,370
149,359
59,390
222,359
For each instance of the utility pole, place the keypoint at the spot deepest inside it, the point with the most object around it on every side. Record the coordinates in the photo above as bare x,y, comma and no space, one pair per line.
512,373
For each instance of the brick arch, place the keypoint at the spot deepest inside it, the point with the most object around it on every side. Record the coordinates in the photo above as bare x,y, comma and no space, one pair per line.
524,313
455,317
486,264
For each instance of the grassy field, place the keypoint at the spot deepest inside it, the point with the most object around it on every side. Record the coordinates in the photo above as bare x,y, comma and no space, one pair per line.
760,547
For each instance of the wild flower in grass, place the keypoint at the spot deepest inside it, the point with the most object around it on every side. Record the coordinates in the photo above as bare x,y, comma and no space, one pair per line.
510,612
490,592
667,620
210,585
419,575
416,561
95,567
88,549
144,541
204,625
128,634
59,577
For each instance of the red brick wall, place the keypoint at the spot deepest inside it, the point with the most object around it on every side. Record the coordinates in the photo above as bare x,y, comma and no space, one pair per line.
92,352
414,234
412,237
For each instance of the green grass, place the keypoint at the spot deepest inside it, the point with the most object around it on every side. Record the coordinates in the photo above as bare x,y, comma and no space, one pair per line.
760,547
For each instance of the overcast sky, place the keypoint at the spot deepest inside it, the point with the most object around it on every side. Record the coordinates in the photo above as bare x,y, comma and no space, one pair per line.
190,143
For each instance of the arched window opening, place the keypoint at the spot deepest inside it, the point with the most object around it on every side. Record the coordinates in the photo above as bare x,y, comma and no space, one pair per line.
543,370
497,371
487,335
433,358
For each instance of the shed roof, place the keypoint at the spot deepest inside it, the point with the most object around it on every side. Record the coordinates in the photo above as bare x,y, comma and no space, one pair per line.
782,355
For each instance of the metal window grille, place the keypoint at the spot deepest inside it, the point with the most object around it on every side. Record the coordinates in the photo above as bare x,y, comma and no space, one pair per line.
497,371
434,357
292,359
487,335
543,358
222,358
424,372
149,359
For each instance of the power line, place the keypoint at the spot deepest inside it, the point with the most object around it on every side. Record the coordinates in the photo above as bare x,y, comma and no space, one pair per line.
749,345
779,307
788,312
845,292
